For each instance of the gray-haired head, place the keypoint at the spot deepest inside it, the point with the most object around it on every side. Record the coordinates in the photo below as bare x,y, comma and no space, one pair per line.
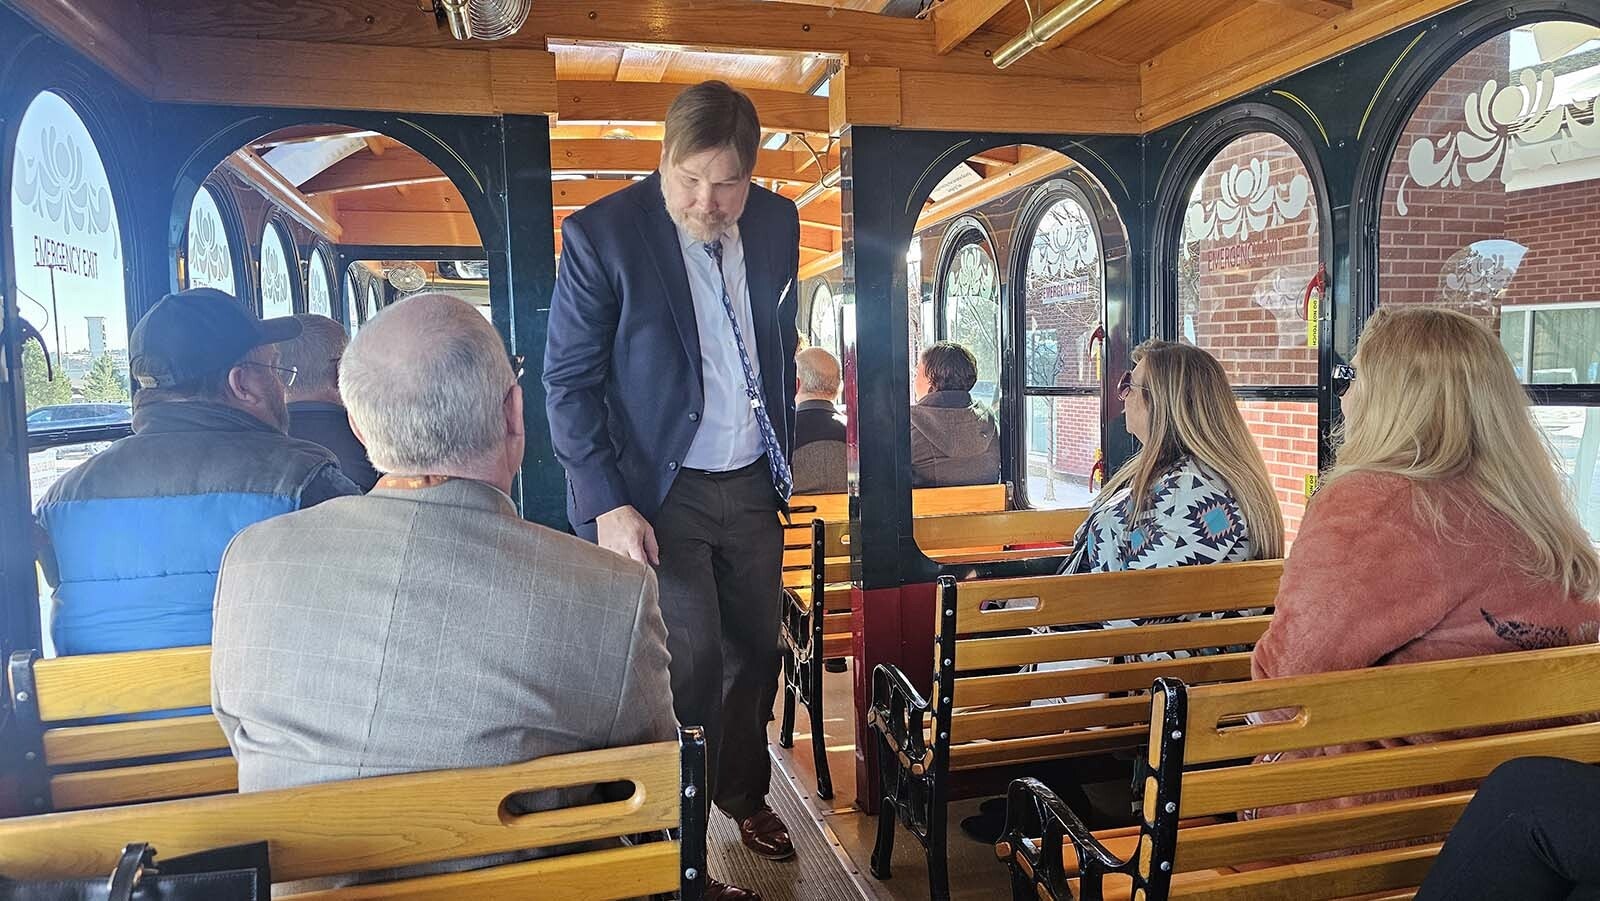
817,372
315,355
428,384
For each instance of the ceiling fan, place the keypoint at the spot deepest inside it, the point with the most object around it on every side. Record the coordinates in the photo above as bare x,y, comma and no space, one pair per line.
483,20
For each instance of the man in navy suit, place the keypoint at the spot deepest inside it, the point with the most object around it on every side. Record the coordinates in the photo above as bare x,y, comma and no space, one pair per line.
669,372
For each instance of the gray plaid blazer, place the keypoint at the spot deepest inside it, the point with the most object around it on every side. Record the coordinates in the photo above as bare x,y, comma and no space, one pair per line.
429,629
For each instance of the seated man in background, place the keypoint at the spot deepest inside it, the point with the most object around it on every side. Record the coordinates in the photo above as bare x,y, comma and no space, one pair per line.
954,439
131,539
426,625
316,412
819,434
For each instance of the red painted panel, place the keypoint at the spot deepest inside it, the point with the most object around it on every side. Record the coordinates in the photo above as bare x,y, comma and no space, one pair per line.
892,625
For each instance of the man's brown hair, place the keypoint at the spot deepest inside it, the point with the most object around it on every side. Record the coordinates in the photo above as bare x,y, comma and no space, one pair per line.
711,115
950,367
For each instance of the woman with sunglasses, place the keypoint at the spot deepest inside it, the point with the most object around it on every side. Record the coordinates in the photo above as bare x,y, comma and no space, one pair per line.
1443,530
1197,491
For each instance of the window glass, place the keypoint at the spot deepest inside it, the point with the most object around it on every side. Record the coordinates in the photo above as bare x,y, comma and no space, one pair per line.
1063,298
319,293
277,298
67,244
210,252
374,300
824,331
1249,248
972,312
352,297
1491,194
1286,432
1574,433
1062,438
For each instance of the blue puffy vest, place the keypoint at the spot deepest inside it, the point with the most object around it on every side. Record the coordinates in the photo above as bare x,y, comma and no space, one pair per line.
138,531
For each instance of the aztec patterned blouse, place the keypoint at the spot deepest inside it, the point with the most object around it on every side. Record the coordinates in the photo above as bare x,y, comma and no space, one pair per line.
1192,519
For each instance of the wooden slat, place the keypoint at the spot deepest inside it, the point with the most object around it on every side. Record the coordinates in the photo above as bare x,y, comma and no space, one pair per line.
113,33
126,741
1099,597
608,875
619,101
1214,845
961,499
982,754
1326,9
93,685
1003,527
420,229
1021,687
315,214
1209,792
606,155
363,824
991,555
364,170
1016,650
863,95
1020,722
1318,880
150,782
466,80
955,20
837,646
1415,698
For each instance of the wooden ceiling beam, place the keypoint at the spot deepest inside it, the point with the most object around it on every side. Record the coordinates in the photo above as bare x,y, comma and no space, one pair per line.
1096,14
818,238
400,165
1322,8
944,101
317,215
955,20
606,155
812,265
616,101
113,33
575,195
736,25
1023,173
315,75
413,229
1256,47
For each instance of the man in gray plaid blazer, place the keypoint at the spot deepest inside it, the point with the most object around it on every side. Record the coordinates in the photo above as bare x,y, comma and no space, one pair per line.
426,625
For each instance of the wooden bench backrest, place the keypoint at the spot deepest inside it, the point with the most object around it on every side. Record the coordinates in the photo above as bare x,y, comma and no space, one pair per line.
994,706
1454,702
807,508
109,762
397,821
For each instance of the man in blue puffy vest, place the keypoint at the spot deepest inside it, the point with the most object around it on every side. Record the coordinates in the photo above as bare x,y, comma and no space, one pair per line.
135,535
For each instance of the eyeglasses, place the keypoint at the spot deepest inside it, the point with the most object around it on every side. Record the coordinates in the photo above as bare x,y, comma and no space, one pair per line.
286,374
1343,375
518,362
1125,386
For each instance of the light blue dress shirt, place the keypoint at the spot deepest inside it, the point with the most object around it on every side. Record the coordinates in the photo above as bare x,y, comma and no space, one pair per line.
729,436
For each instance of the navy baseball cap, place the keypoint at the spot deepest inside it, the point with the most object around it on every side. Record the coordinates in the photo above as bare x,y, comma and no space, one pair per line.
192,334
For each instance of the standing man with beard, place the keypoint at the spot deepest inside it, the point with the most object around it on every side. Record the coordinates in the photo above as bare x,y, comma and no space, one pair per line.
669,372
131,540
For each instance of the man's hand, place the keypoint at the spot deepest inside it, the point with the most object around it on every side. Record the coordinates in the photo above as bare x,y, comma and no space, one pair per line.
625,532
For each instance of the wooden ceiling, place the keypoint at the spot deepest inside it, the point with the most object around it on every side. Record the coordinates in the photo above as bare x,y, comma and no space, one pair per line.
607,69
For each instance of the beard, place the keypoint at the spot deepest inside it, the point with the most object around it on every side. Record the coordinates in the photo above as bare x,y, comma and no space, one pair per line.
703,227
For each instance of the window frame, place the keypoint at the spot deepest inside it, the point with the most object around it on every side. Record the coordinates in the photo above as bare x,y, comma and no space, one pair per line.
323,251
964,231
279,224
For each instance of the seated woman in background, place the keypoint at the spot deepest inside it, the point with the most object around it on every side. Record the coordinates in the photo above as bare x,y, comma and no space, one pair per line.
1197,491
1444,530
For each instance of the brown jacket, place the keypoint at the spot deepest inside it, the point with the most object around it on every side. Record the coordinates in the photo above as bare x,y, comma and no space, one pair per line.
954,441
1370,583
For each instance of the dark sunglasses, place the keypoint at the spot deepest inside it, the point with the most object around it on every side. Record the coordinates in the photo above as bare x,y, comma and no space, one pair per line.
1343,375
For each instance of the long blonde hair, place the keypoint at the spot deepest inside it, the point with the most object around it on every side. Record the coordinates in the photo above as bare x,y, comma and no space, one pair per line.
1193,412
1437,399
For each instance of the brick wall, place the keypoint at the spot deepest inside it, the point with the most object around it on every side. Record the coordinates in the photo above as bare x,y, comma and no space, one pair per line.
1286,433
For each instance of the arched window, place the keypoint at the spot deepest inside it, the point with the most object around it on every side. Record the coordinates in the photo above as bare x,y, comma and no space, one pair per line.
209,249
1063,299
69,277
319,284
277,292
352,302
824,330
970,299
1249,248
1488,207
374,299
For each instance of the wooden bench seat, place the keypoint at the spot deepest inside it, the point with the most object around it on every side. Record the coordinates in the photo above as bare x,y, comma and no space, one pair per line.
70,765
806,644
982,715
338,828
1378,844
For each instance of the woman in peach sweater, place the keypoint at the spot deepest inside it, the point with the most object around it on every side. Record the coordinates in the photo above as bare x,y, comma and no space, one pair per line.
1444,530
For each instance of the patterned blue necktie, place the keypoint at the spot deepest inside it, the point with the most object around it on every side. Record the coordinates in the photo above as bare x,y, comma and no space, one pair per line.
781,478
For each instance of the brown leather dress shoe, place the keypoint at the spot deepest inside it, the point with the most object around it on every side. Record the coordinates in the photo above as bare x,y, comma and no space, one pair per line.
765,834
721,891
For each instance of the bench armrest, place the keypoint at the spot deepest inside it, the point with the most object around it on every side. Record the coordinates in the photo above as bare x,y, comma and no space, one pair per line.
1038,827
897,713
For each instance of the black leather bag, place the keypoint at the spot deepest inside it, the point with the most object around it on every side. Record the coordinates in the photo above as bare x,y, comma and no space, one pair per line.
237,873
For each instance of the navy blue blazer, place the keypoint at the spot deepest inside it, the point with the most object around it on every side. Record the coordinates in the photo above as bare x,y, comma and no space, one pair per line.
623,386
